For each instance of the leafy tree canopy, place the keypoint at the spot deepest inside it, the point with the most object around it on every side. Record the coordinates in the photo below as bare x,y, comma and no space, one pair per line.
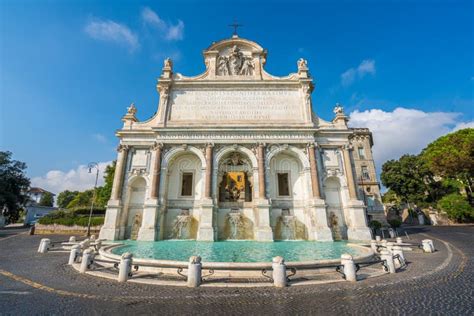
14,185
457,208
65,197
47,199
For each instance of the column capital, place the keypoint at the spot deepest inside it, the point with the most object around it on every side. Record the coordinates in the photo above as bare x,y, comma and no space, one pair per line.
347,147
122,147
156,146
210,145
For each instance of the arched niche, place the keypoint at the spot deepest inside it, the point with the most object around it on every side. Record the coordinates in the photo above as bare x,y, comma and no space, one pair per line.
335,209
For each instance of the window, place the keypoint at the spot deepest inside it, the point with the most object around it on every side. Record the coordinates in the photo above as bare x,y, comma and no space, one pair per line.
365,173
283,184
187,184
361,152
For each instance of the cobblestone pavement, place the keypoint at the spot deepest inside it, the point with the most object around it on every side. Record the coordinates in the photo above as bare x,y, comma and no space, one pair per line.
439,284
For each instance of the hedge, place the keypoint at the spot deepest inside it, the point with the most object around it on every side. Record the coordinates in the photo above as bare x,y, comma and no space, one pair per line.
71,221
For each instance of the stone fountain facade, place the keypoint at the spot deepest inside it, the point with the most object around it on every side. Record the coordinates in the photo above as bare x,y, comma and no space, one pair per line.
237,153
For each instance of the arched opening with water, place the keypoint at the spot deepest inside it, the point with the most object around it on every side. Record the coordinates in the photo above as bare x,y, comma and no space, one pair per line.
235,192
335,210
184,186
133,211
287,191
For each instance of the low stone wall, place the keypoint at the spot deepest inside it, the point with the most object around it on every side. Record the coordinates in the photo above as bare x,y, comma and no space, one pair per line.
65,230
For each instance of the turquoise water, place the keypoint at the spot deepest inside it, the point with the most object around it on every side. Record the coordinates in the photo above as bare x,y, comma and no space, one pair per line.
236,251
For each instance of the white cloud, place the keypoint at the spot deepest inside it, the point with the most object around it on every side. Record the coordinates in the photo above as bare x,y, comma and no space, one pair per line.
404,131
170,32
463,125
78,179
110,31
367,66
100,138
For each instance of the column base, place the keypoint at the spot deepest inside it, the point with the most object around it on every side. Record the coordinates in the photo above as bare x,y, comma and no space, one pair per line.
147,234
205,234
359,233
109,233
322,234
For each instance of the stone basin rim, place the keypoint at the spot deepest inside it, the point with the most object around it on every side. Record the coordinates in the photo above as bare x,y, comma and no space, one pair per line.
106,252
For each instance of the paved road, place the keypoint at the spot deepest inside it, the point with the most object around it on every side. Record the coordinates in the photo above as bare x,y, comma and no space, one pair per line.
439,284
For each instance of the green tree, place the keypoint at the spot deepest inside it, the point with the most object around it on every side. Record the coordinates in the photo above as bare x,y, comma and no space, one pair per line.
452,156
81,200
65,197
47,199
457,208
408,178
103,193
13,185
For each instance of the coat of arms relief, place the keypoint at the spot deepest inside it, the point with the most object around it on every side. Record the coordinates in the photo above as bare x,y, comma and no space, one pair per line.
235,63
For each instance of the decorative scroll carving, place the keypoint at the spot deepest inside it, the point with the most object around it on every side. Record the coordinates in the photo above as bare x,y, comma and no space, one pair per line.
235,64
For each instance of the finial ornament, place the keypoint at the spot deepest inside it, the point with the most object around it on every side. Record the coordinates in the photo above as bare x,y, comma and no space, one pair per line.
131,110
235,25
302,64
168,63
338,109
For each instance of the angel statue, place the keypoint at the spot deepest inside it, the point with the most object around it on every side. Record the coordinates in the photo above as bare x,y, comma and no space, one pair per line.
222,67
338,110
302,64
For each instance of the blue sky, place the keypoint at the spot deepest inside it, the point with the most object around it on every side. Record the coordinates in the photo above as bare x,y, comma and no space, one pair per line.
69,69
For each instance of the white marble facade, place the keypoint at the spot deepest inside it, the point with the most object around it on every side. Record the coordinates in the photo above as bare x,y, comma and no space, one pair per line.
235,153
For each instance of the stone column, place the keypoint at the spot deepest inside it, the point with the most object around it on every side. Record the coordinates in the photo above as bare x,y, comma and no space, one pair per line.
119,172
208,191
314,172
264,231
349,172
261,170
206,229
110,230
155,182
149,230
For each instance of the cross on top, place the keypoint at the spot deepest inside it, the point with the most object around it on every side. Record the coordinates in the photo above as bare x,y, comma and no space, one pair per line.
235,25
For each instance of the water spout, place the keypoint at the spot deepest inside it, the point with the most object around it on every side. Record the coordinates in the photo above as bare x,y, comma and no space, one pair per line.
236,224
288,227
182,226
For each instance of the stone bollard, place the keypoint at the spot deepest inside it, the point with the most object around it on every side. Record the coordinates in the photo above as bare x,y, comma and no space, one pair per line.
349,267
72,239
87,257
85,244
194,271
391,233
44,245
399,240
75,250
421,219
32,230
373,245
428,245
98,244
384,243
279,272
92,238
387,256
125,267
397,250
389,246
378,238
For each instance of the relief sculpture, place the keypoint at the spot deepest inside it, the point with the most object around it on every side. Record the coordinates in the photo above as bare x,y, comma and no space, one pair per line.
235,64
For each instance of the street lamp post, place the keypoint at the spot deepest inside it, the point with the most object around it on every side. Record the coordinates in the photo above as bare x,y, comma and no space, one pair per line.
92,165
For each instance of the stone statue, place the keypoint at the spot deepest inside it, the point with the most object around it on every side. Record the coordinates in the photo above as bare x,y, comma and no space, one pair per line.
131,110
338,110
222,66
247,67
235,60
302,64
168,63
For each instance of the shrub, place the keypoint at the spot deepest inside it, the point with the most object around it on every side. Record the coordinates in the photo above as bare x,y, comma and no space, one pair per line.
457,208
70,220
395,223
375,225
86,211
